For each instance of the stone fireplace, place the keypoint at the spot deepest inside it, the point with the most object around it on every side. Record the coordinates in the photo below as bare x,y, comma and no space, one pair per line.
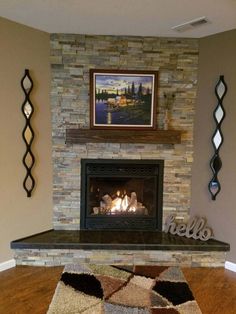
72,56
121,194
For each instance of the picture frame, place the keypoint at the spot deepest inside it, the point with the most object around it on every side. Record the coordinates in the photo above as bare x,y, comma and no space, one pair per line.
123,99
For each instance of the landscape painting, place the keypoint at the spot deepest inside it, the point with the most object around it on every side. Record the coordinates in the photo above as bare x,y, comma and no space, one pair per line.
123,99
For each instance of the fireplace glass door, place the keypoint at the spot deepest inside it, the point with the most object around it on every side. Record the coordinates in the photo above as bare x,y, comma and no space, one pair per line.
121,194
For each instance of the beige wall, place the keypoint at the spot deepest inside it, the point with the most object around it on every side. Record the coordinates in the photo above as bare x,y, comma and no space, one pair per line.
23,47
217,56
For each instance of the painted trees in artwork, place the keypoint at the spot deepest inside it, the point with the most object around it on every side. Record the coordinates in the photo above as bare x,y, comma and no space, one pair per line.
131,91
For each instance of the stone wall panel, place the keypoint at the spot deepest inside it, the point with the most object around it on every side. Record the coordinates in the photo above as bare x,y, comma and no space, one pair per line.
71,58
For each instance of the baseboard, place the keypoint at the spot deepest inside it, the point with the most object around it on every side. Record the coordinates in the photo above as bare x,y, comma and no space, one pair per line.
230,266
8,264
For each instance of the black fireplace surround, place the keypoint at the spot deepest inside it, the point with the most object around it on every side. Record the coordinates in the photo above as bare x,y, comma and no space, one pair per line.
121,194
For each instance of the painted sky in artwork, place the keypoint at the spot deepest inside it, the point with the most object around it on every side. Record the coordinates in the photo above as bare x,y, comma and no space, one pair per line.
111,83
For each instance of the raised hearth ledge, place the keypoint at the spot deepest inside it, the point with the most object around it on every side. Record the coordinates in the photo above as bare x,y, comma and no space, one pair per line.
61,247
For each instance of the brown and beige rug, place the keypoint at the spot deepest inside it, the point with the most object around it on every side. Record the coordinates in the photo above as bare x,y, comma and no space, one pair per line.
95,289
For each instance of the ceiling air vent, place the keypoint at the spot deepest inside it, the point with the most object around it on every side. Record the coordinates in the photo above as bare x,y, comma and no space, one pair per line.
190,24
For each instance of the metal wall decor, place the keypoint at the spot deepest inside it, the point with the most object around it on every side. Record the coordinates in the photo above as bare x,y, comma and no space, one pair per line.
28,133
217,138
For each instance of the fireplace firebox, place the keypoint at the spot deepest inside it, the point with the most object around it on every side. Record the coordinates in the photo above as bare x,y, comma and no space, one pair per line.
121,194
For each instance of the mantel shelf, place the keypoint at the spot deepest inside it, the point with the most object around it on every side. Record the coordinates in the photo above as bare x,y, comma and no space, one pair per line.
81,136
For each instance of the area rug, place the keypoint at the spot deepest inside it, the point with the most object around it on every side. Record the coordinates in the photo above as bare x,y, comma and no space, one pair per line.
95,289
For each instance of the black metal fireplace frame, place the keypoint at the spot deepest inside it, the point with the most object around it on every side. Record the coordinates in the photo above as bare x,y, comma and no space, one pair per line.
120,222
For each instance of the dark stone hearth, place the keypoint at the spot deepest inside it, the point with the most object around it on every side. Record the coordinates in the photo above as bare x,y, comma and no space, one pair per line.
117,240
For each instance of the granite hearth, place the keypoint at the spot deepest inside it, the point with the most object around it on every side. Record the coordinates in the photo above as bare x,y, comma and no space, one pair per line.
61,247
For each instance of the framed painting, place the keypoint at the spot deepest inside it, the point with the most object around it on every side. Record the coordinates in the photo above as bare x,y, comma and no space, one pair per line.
121,99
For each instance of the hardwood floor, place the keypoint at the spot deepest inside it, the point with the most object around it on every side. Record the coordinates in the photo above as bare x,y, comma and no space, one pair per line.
213,288
26,289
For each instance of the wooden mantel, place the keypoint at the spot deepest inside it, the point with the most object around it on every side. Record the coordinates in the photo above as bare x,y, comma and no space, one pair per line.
81,136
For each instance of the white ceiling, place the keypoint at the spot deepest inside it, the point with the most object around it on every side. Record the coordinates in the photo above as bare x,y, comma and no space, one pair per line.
122,17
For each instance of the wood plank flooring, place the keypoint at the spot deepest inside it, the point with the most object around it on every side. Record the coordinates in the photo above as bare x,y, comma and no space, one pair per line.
26,289
213,288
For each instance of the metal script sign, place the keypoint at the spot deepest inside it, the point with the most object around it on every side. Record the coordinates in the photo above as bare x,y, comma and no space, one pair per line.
195,228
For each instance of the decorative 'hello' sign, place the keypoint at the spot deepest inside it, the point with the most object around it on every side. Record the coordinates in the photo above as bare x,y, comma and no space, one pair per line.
195,228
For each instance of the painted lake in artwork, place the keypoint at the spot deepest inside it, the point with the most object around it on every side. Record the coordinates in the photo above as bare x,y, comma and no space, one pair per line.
106,114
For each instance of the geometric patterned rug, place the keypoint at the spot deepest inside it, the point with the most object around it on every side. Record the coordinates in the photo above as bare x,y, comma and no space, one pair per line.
95,289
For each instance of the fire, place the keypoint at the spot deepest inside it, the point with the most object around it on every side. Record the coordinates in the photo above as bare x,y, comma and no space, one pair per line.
120,204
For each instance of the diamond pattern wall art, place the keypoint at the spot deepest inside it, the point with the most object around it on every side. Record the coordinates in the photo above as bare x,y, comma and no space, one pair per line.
217,138
28,133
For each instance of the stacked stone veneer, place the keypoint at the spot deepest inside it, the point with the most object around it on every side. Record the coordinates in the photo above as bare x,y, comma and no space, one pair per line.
53,257
71,58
